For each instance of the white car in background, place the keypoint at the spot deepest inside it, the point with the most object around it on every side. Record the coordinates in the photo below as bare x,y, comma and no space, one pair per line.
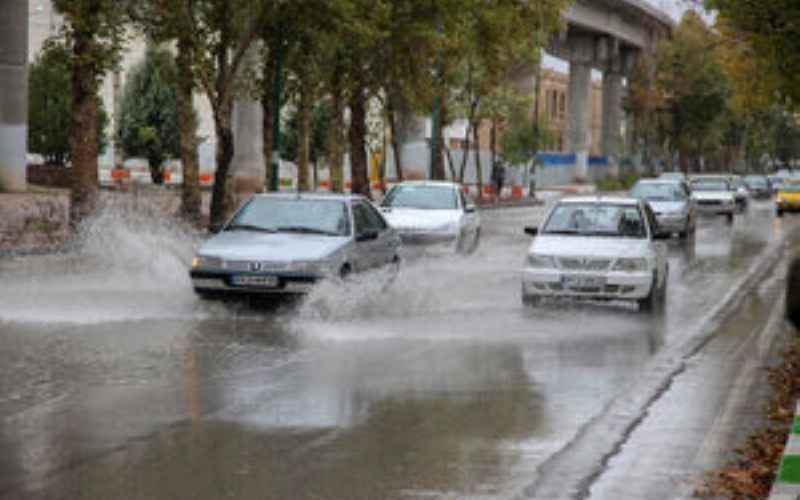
597,248
713,195
433,214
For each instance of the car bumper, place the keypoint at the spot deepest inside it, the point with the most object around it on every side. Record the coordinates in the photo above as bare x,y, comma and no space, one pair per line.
668,224
715,208
221,282
616,285
788,206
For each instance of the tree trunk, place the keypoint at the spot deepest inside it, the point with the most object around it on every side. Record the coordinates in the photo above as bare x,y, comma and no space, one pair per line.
336,140
478,170
358,155
437,165
303,140
267,106
220,204
391,114
191,200
84,147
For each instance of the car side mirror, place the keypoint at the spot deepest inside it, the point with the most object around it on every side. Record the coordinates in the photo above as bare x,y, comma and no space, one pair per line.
367,236
532,231
470,208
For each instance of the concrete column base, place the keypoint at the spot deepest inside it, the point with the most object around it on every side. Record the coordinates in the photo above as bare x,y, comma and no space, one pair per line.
13,158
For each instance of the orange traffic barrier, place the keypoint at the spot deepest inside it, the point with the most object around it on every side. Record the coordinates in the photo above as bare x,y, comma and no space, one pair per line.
516,192
120,173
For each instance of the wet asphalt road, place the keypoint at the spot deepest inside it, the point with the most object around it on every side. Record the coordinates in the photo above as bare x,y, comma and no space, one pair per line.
115,382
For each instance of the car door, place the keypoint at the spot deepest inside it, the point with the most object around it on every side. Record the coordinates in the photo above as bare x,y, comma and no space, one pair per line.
387,241
367,236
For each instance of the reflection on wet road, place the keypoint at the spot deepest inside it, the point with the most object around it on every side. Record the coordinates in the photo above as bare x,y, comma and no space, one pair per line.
115,382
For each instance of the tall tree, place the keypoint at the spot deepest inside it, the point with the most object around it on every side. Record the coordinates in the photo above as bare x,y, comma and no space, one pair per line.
94,32
772,29
149,112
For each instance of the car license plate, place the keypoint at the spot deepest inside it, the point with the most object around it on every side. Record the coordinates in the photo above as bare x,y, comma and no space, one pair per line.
260,281
583,281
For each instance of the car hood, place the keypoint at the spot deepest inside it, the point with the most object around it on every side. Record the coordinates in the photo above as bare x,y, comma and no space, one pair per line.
663,207
712,195
585,246
415,218
251,245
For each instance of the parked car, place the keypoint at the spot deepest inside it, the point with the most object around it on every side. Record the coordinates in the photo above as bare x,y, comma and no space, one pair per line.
740,192
672,204
759,186
788,198
285,243
597,248
432,213
713,195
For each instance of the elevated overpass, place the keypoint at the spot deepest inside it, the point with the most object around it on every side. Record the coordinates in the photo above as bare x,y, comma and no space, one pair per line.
609,36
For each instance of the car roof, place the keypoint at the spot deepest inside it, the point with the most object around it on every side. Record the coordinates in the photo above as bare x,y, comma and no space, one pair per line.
429,183
601,199
311,196
660,181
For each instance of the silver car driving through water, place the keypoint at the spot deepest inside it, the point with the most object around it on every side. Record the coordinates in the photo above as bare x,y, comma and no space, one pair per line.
671,201
285,243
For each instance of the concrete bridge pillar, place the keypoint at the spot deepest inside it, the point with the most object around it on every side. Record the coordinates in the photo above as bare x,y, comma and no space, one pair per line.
13,95
612,117
580,115
248,169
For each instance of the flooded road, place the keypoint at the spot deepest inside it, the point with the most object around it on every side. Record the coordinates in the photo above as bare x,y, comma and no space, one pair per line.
116,382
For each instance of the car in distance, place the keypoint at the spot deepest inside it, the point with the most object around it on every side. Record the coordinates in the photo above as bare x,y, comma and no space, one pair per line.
788,198
597,248
759,186
285,243
433,214
672,204
713,195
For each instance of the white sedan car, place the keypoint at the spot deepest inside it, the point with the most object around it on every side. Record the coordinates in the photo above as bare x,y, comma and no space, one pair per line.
713,195
597,248
433,214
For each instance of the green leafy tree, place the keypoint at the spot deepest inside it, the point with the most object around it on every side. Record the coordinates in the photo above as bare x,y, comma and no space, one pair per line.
149,112
50,106
93,31
772,30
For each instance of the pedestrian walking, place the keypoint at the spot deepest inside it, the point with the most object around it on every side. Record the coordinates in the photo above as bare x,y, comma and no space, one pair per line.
498,179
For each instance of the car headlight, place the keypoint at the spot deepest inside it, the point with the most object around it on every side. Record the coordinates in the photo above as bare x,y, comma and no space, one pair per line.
536,261
310,266
630,265
206,261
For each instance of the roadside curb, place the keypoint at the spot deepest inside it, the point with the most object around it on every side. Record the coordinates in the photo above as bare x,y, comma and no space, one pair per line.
787,482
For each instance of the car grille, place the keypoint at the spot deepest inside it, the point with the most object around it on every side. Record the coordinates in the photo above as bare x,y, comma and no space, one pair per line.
583,264
709,202
254,266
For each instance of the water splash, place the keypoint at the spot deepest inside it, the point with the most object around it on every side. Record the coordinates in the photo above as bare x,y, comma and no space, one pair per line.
128,261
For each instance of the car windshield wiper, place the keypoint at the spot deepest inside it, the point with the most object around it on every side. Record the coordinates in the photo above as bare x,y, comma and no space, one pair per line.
305,230
249,227
563,231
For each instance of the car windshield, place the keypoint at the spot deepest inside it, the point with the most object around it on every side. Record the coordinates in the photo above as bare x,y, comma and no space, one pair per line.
596,219
710,185
274,215
791,187
756,182
658,191
424,197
